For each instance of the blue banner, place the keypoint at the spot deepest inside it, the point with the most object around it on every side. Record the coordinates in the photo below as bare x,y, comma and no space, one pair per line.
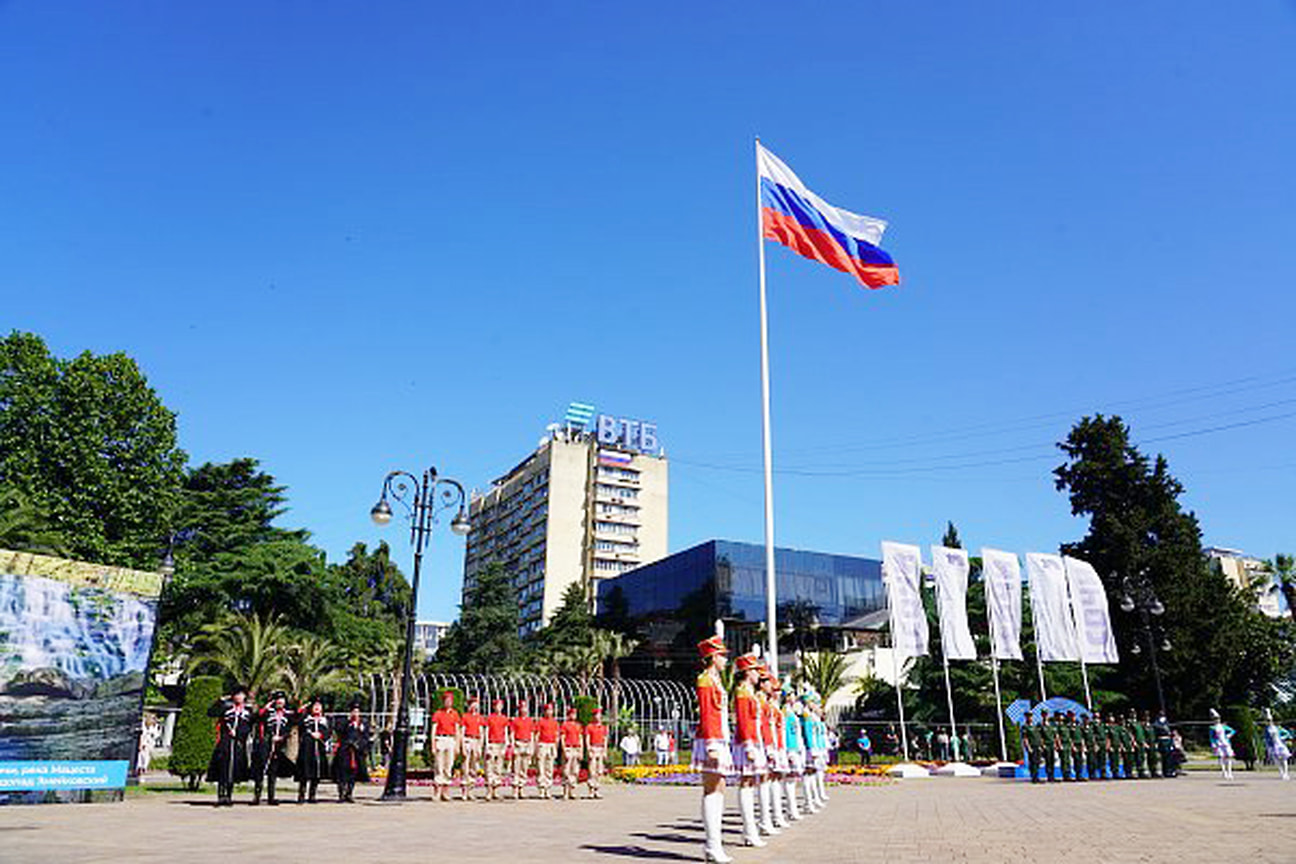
62,775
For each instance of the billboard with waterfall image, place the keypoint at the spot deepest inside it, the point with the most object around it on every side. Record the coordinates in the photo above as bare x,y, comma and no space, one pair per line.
75,640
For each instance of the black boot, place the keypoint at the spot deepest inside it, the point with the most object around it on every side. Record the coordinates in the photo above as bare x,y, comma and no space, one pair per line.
301,792
314,785
270,791
256,793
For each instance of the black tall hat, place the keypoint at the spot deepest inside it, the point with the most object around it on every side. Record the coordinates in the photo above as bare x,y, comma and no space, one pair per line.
238,688
278,694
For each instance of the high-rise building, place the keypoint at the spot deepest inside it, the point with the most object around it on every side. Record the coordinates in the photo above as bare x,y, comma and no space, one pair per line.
588,504
428,636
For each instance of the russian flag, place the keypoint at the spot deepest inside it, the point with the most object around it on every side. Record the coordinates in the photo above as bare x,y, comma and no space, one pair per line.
810,226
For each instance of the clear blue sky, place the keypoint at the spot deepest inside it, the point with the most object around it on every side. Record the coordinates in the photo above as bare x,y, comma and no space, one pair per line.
348,237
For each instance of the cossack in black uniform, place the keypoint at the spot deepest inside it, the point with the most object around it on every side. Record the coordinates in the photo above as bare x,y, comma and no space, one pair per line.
229,761
312,753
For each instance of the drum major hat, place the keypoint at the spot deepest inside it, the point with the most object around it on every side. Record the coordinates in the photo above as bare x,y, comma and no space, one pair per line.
711,646
747,661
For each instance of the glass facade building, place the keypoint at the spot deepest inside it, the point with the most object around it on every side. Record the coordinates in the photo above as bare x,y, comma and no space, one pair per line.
672,604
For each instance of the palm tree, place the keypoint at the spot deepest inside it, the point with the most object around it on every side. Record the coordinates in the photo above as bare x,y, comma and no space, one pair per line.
825,671
1283,568
318,666
251,650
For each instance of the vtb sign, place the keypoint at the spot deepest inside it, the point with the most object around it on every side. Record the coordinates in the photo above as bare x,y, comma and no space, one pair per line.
638,435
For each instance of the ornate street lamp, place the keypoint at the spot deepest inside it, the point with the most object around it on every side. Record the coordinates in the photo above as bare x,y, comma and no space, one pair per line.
1137,596
423,498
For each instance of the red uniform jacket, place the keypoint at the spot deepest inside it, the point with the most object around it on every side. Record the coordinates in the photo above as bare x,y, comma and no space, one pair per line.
710,695
747,715
572,733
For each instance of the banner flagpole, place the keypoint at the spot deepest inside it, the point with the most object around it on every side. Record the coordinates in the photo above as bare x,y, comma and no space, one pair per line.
771,623
994,670
1039,663
895,669
949,696
1084,670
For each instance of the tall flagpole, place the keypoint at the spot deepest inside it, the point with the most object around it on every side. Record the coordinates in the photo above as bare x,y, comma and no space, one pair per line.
895,668
949,692
1039,664
1084,671
994,669
771,623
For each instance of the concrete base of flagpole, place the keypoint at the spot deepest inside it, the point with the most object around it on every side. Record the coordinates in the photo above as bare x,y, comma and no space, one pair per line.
1001,769
956,769
909,771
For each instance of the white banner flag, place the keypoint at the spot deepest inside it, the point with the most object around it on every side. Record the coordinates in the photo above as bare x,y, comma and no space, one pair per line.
1055,635
1002,574
950,567
902,572
1091,615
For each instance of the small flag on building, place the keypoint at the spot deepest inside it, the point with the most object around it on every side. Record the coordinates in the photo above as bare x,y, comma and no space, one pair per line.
579,414
612,457
815,229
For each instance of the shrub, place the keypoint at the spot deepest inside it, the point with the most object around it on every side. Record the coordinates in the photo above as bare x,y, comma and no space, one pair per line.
585,706
1242,719
195,732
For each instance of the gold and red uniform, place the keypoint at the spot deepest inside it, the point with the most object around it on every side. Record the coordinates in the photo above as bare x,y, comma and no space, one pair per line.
748,751
711,752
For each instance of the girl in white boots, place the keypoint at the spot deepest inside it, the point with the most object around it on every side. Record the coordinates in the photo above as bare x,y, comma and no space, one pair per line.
1221,744
711,749
748,751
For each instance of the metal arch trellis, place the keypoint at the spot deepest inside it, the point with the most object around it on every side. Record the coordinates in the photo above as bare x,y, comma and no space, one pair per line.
653,703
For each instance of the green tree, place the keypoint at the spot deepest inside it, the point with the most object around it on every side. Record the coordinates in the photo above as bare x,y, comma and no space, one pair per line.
92,447
825,671
23,528
485,638
247,650
316,668
951,538
195,735
1222,649
1283,569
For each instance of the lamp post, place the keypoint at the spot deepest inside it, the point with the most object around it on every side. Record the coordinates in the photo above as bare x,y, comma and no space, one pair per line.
1137,596
423,498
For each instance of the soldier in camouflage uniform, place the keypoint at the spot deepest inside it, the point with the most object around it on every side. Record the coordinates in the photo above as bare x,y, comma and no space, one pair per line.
1139,735
1153,756
1031,747
1065,745
1048,734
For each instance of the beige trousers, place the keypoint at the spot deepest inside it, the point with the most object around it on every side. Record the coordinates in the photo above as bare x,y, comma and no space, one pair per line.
522,753
472,760
597,761
494,765
444,751
546,755
571,766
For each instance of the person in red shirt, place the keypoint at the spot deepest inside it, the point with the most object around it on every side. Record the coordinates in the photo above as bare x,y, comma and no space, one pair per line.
523,735
573,744
748,751
472,725
547,730
497,743
712,756
596,738
446,733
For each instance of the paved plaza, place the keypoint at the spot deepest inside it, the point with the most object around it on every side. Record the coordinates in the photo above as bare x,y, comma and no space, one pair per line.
1194,818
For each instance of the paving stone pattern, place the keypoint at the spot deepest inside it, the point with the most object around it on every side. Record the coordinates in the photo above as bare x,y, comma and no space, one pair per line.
1193,818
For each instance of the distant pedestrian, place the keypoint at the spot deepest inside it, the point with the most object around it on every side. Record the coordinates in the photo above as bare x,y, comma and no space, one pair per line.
662,746
631,748
865,747
890,742
834,743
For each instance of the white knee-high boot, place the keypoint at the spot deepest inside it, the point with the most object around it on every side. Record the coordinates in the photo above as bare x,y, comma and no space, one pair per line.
794,809
712,822
821,781
807,786
747,804
767,808
780,819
